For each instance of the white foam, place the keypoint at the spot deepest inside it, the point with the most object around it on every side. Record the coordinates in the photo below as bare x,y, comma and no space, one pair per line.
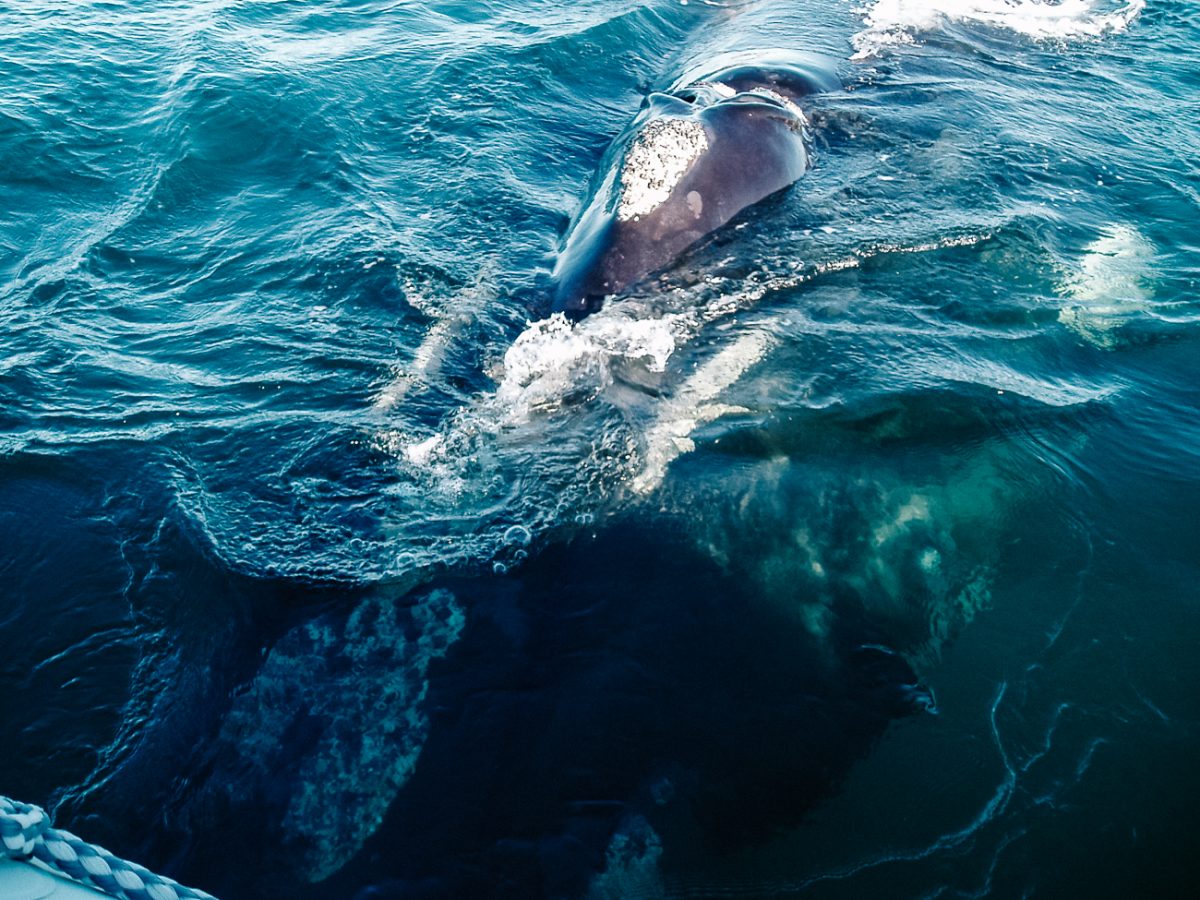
525,429
893,22
553,360
421,452
546,385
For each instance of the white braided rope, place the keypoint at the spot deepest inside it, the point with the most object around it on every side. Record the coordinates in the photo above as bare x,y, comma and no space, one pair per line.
25,832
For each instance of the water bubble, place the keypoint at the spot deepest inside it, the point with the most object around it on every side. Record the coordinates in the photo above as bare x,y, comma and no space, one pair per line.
518,534
406,561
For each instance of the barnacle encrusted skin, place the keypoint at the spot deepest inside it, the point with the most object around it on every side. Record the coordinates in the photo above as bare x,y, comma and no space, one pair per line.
657,159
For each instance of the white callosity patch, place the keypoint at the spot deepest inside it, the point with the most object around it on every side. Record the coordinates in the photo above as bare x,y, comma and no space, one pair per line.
1110,285
892,22
656,160
917,554
355,688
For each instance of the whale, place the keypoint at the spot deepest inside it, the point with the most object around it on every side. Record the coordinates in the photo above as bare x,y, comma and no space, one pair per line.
720,140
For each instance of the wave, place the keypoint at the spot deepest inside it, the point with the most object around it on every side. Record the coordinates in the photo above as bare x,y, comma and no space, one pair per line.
891,23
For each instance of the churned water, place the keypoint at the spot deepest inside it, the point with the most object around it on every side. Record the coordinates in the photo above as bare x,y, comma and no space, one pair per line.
856,555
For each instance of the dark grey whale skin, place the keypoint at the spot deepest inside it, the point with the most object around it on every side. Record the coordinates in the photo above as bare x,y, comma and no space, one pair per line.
757,145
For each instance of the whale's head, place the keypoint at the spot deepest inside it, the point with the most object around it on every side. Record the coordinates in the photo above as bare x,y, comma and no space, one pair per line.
721,139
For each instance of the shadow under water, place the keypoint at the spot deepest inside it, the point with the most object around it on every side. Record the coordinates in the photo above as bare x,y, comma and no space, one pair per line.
618,694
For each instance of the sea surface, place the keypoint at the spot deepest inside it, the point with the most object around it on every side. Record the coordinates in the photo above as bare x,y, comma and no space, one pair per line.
855,555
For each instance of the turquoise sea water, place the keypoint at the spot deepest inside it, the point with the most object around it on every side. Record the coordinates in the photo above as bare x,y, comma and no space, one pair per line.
856,555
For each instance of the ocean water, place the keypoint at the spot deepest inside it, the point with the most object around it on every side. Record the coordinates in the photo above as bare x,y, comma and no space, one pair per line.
854,555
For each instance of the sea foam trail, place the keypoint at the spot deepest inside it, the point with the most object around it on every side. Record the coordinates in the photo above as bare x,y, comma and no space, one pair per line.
893,22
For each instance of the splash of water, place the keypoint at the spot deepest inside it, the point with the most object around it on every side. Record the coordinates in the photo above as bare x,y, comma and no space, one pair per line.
890,23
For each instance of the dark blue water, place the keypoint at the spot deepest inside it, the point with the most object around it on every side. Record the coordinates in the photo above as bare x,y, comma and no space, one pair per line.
856,555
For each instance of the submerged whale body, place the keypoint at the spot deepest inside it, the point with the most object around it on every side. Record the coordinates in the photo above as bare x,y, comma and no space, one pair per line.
694,158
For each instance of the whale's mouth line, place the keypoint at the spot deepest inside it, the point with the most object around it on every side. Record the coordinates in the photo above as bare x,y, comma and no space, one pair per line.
710,94
764,94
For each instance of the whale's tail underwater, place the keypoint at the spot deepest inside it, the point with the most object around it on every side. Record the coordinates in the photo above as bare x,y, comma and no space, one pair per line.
719,141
